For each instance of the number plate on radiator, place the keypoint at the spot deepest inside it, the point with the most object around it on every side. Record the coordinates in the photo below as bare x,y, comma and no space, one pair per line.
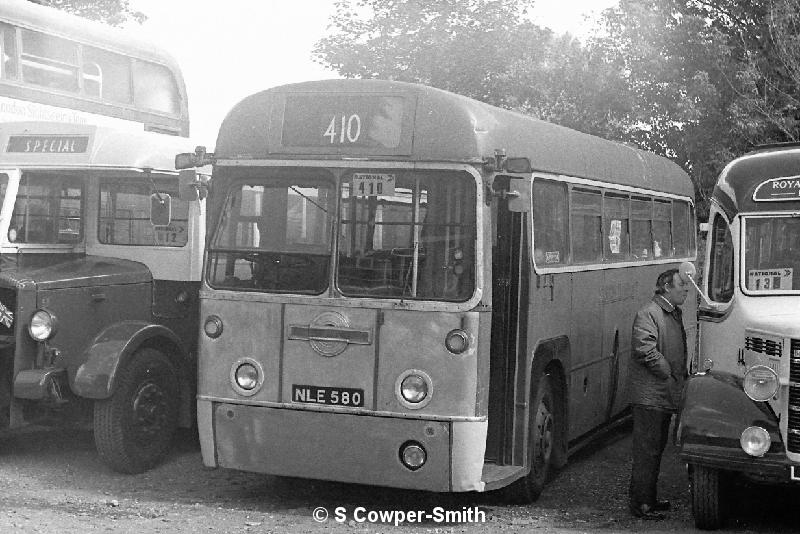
330,396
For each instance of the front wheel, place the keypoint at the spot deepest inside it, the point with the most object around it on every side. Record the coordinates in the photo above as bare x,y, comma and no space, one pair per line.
541,444
134,428
707,502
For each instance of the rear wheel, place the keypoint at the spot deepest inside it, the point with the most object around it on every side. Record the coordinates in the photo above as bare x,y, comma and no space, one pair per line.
134,429
541,445
707,501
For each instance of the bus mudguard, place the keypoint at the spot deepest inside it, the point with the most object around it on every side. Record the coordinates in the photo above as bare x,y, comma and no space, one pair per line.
96,377
714,412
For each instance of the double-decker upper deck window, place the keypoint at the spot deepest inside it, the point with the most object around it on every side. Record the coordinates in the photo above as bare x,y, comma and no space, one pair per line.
49,61
8,52
407,235
48,209
106,75
275,234
124,217
155,88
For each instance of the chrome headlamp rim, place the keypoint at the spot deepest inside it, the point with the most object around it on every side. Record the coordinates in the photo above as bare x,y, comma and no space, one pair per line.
759,369
398,389
259,381
43,325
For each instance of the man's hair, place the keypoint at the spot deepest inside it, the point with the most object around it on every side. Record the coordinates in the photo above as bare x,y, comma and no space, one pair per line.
664,279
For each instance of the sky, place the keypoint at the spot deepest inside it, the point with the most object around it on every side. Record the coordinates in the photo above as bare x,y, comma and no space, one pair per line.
230,49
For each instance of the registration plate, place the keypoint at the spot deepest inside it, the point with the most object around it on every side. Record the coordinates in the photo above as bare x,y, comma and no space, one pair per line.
328,395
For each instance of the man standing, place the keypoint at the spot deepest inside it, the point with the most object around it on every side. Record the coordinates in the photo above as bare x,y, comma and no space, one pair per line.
657,374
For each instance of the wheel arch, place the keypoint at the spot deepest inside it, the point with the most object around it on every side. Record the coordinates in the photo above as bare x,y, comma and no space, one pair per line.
551,357
108,352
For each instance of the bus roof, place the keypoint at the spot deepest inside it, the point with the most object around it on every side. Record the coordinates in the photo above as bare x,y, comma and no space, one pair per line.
762,180
435,126
27,14
61,145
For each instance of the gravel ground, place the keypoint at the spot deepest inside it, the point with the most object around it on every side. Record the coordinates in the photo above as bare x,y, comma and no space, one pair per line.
53,483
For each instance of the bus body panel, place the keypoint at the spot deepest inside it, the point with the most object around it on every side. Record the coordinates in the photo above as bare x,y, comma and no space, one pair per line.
342,447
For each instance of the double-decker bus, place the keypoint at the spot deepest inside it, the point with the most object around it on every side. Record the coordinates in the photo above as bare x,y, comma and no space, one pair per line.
741,412
100,259
409,288
55,66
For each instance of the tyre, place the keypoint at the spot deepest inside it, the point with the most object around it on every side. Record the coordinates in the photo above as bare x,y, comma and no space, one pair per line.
540,447
135,427
707,501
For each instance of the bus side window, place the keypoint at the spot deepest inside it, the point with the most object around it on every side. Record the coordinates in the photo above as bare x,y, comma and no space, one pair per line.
8,52
720,277
586,232
550,223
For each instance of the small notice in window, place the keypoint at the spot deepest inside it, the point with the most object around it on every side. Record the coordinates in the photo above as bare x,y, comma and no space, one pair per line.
614,236
369,184
552,257
769,279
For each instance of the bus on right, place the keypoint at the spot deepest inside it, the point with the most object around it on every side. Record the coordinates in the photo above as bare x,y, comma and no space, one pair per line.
740,417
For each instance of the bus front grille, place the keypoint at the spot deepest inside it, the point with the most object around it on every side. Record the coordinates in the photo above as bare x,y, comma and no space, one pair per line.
793,433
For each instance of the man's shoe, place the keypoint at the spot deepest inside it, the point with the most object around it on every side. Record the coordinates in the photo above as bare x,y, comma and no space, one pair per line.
645,511
661,505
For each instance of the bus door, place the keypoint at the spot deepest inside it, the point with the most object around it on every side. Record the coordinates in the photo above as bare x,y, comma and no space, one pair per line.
509,257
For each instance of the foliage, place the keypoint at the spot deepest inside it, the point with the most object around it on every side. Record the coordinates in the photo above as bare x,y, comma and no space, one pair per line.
699,81
112,12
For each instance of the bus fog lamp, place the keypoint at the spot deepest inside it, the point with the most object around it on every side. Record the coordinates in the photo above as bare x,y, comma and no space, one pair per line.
247,376
42,325
457,341
213,326
755,441
413,455
760,383
414,388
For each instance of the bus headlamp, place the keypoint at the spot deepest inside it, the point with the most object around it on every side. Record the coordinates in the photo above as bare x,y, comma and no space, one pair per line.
213,326
413,389
760,383
42,326
755,441
247,376
413,455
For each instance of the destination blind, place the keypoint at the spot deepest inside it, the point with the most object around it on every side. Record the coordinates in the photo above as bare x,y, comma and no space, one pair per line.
341,121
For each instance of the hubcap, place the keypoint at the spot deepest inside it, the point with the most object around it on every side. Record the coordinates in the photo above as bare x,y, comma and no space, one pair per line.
150,410
544,434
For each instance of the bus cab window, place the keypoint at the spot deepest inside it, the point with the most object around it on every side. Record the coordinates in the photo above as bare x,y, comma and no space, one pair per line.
48,210
772,254
721,265
417,241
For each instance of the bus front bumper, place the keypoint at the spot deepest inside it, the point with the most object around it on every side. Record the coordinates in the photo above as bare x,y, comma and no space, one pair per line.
342,447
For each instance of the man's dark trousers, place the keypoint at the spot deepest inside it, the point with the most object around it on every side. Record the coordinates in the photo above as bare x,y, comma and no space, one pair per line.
650,433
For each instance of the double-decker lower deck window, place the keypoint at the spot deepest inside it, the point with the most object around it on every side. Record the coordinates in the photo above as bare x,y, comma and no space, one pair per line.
124,217
407,235
48,209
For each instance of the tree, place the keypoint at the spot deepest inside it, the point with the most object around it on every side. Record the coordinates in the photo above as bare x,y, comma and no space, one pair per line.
706,77
112,12
485,49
